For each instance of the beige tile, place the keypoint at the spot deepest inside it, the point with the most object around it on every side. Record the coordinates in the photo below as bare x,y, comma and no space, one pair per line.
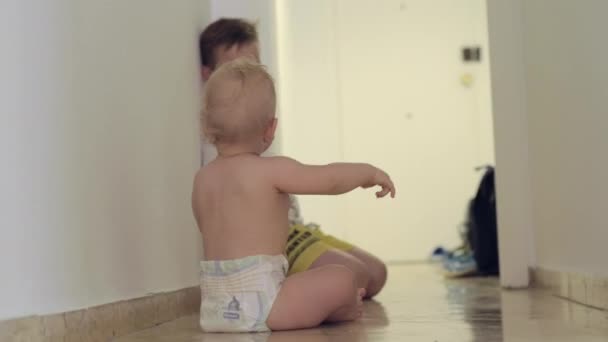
172,306
125,318
23,329
57,338
564,285
98,336
597,292
53,326
188,301
192,300
577,285
145,312
74,320
180,302
419,305
75,336
89,321
598,318
161,306
7,329
106,320
546,279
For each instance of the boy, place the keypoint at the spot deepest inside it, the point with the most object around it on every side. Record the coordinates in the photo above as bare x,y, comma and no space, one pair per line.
240,202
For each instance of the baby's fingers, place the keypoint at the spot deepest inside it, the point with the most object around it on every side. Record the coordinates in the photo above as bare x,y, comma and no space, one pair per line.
385,190
393,190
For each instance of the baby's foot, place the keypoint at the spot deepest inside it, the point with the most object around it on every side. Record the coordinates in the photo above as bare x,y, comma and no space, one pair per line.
361,292
351,311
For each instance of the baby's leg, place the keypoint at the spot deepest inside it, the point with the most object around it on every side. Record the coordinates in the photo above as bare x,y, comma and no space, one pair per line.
309,298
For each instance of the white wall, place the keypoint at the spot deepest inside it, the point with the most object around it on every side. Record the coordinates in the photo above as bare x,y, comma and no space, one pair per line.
483,85
99,143
323,62
567,87
549,87
311,114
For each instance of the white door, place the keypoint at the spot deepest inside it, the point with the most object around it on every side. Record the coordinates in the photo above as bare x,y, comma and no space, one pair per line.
405,108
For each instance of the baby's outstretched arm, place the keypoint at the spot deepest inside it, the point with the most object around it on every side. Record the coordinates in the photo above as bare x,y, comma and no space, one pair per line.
292,177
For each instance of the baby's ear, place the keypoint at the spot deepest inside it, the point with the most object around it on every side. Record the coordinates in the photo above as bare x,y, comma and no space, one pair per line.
206,73
271,130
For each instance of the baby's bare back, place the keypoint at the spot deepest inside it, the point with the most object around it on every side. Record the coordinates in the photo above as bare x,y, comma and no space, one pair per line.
238,209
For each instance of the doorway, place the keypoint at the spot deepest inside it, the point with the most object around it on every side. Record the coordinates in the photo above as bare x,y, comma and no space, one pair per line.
388,82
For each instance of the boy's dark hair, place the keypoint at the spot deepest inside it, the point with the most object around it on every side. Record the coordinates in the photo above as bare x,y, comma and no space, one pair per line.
227,32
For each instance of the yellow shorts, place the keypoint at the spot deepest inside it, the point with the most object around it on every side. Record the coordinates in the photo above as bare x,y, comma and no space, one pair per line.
306,244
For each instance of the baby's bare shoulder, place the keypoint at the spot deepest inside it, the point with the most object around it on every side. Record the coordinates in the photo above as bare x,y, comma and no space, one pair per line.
199,178
277,162
208,174
246,169
270,166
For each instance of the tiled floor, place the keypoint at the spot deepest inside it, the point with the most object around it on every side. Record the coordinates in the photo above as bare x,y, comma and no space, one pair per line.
419,305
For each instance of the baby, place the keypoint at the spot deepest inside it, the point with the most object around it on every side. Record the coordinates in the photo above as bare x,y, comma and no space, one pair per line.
240,202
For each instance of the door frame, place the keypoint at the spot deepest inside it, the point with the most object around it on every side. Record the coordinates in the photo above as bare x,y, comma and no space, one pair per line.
513,177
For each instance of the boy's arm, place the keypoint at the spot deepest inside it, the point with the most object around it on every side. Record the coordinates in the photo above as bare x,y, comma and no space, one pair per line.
292,177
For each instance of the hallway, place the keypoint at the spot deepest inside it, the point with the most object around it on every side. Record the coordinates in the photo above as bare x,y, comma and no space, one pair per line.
419,305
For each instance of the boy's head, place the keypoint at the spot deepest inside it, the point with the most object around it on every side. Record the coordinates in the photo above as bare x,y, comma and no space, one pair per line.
224,40
240,106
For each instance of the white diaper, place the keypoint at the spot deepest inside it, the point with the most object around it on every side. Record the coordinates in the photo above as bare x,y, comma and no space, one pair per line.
237,295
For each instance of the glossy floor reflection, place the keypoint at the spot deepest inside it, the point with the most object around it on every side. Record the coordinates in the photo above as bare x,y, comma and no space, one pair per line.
419,305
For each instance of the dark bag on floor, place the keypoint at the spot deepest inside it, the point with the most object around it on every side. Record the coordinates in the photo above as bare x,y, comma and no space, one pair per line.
481,224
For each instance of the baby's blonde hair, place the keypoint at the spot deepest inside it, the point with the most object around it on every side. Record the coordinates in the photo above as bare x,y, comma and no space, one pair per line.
239,102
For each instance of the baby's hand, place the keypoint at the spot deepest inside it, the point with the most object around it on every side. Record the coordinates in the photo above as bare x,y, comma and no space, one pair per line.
382,179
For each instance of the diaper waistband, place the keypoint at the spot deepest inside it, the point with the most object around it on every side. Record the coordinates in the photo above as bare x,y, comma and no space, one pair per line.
244,273
231,266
